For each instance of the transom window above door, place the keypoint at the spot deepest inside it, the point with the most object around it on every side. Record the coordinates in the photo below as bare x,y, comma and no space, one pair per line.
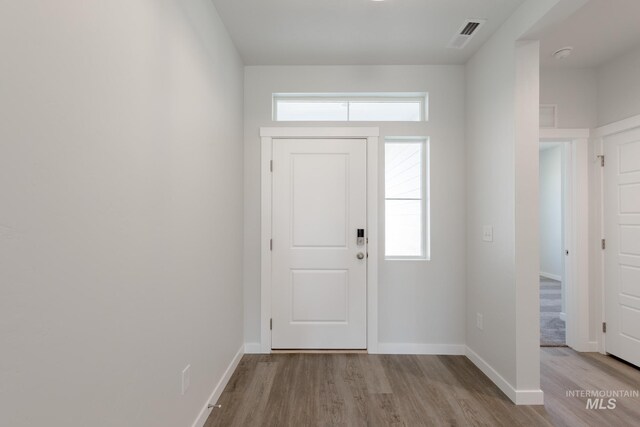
349,107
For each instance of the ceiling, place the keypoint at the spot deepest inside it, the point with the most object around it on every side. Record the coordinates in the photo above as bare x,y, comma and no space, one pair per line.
598,32
344,32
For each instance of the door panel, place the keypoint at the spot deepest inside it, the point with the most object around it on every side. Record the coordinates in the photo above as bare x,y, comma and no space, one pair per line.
629,240
630,199
319,284
319,200
622,255
319,295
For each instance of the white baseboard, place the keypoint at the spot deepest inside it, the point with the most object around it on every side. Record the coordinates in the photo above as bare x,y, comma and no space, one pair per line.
252,348
413,348
217,391
563,316
551,276
529,397
588,347
519,397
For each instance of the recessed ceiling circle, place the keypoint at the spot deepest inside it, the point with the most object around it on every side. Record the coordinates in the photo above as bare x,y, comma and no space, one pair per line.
563,53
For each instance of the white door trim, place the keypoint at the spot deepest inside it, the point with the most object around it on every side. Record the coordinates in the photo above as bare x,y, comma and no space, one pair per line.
576,234
267,135
564,134
601,133
617,127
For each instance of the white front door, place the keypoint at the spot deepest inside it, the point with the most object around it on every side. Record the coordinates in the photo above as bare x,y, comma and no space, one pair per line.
319,287
622,253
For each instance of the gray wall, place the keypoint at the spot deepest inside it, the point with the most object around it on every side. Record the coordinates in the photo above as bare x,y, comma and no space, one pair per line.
121,218
592,97
619,88
419,301
574,91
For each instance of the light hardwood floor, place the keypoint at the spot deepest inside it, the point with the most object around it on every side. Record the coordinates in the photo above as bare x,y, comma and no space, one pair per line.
391,390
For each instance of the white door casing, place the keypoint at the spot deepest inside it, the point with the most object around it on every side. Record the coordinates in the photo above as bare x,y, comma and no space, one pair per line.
319,294
622,253
267,135
576,235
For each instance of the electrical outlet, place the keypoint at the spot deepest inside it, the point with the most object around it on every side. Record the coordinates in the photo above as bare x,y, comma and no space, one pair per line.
186,379
479,324
487,233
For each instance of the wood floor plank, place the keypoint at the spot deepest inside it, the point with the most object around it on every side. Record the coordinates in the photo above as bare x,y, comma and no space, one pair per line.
376,378
384,410
350,389
394,390
415,408
279,404
331,405
257,395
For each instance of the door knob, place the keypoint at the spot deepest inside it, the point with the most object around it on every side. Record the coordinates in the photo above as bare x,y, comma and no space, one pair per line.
360,255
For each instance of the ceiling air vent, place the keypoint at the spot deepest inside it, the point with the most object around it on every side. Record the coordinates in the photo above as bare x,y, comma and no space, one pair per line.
465,33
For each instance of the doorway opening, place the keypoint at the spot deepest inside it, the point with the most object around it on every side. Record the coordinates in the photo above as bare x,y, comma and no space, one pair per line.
553,243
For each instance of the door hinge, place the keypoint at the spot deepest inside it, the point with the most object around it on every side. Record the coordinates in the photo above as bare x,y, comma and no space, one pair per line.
270,244
601,157
271,165
271,324
604,244
604,327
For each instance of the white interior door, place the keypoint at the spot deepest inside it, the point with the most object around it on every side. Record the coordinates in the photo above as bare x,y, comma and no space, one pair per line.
319,270
622,254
